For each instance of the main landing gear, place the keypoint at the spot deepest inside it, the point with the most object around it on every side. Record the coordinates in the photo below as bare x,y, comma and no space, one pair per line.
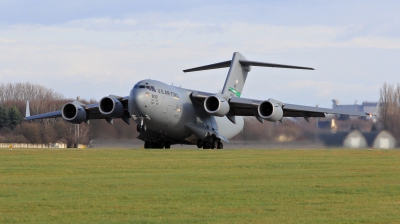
211,142
157,145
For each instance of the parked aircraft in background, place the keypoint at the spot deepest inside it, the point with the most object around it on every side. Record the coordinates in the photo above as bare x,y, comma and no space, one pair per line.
167,115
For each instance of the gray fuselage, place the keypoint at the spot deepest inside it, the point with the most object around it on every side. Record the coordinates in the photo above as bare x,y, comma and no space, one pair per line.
169,114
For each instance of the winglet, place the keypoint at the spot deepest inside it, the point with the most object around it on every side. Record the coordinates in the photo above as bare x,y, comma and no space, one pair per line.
376,108
27,111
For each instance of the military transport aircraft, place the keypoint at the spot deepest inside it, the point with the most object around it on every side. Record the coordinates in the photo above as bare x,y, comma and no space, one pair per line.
167,115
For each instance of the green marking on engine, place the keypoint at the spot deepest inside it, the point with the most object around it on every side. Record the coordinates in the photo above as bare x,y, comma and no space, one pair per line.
234,91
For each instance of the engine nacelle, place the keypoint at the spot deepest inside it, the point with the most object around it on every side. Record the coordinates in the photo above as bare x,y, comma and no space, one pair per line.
270,111
216,106
111,107
73,113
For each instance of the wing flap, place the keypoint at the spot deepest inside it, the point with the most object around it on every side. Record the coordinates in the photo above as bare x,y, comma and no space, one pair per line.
288,113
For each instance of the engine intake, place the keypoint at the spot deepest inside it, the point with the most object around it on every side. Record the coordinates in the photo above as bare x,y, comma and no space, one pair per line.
216,105
270,111
111,107
73,113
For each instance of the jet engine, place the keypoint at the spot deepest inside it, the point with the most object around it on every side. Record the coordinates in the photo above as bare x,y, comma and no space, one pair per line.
73,113
111,107
270,111
216,106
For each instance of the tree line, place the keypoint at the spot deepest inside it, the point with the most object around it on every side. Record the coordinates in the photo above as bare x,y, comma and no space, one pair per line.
9,117
13,97
13,128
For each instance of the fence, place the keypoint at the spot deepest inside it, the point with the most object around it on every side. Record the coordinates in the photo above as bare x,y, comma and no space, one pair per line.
33,146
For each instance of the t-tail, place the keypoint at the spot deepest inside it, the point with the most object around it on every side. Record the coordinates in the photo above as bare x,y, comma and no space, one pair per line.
239,67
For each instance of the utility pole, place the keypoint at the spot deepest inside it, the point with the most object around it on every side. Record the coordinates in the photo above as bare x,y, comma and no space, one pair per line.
78,98
76,135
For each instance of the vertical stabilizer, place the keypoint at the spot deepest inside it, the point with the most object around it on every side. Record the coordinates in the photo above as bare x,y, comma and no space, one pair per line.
236,76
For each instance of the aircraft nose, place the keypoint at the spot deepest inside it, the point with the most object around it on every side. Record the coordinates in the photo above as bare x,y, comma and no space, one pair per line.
137,101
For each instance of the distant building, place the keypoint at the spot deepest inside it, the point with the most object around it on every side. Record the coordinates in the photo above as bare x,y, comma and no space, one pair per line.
357,139
333,139
380,140
366,106
352,139
327,124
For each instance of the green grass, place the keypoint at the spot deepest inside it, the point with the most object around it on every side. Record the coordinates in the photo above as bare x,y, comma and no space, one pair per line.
199,186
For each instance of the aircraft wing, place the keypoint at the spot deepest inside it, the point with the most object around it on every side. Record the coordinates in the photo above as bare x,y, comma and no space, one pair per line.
248,107
245,107
53,114
92,111
91,108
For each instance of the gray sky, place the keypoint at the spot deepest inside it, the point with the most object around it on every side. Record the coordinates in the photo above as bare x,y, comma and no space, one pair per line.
97,48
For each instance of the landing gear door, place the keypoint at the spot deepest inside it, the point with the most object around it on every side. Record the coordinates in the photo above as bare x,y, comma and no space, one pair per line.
211,123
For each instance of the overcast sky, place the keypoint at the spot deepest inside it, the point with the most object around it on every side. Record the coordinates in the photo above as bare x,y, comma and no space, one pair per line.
97,48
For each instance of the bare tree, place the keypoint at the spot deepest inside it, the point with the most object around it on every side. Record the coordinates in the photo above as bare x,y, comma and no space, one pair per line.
390,108
42,99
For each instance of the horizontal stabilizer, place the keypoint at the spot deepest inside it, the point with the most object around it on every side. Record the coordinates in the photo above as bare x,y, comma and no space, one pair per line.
263,64
227,64
224,64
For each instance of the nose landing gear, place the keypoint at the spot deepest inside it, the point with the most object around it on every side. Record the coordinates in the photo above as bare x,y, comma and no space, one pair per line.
210,142
141,128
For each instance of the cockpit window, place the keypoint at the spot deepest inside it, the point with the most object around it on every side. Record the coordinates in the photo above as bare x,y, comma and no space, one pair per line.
151,88
142,86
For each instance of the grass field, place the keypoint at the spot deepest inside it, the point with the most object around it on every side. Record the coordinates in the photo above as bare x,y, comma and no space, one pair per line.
199,186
